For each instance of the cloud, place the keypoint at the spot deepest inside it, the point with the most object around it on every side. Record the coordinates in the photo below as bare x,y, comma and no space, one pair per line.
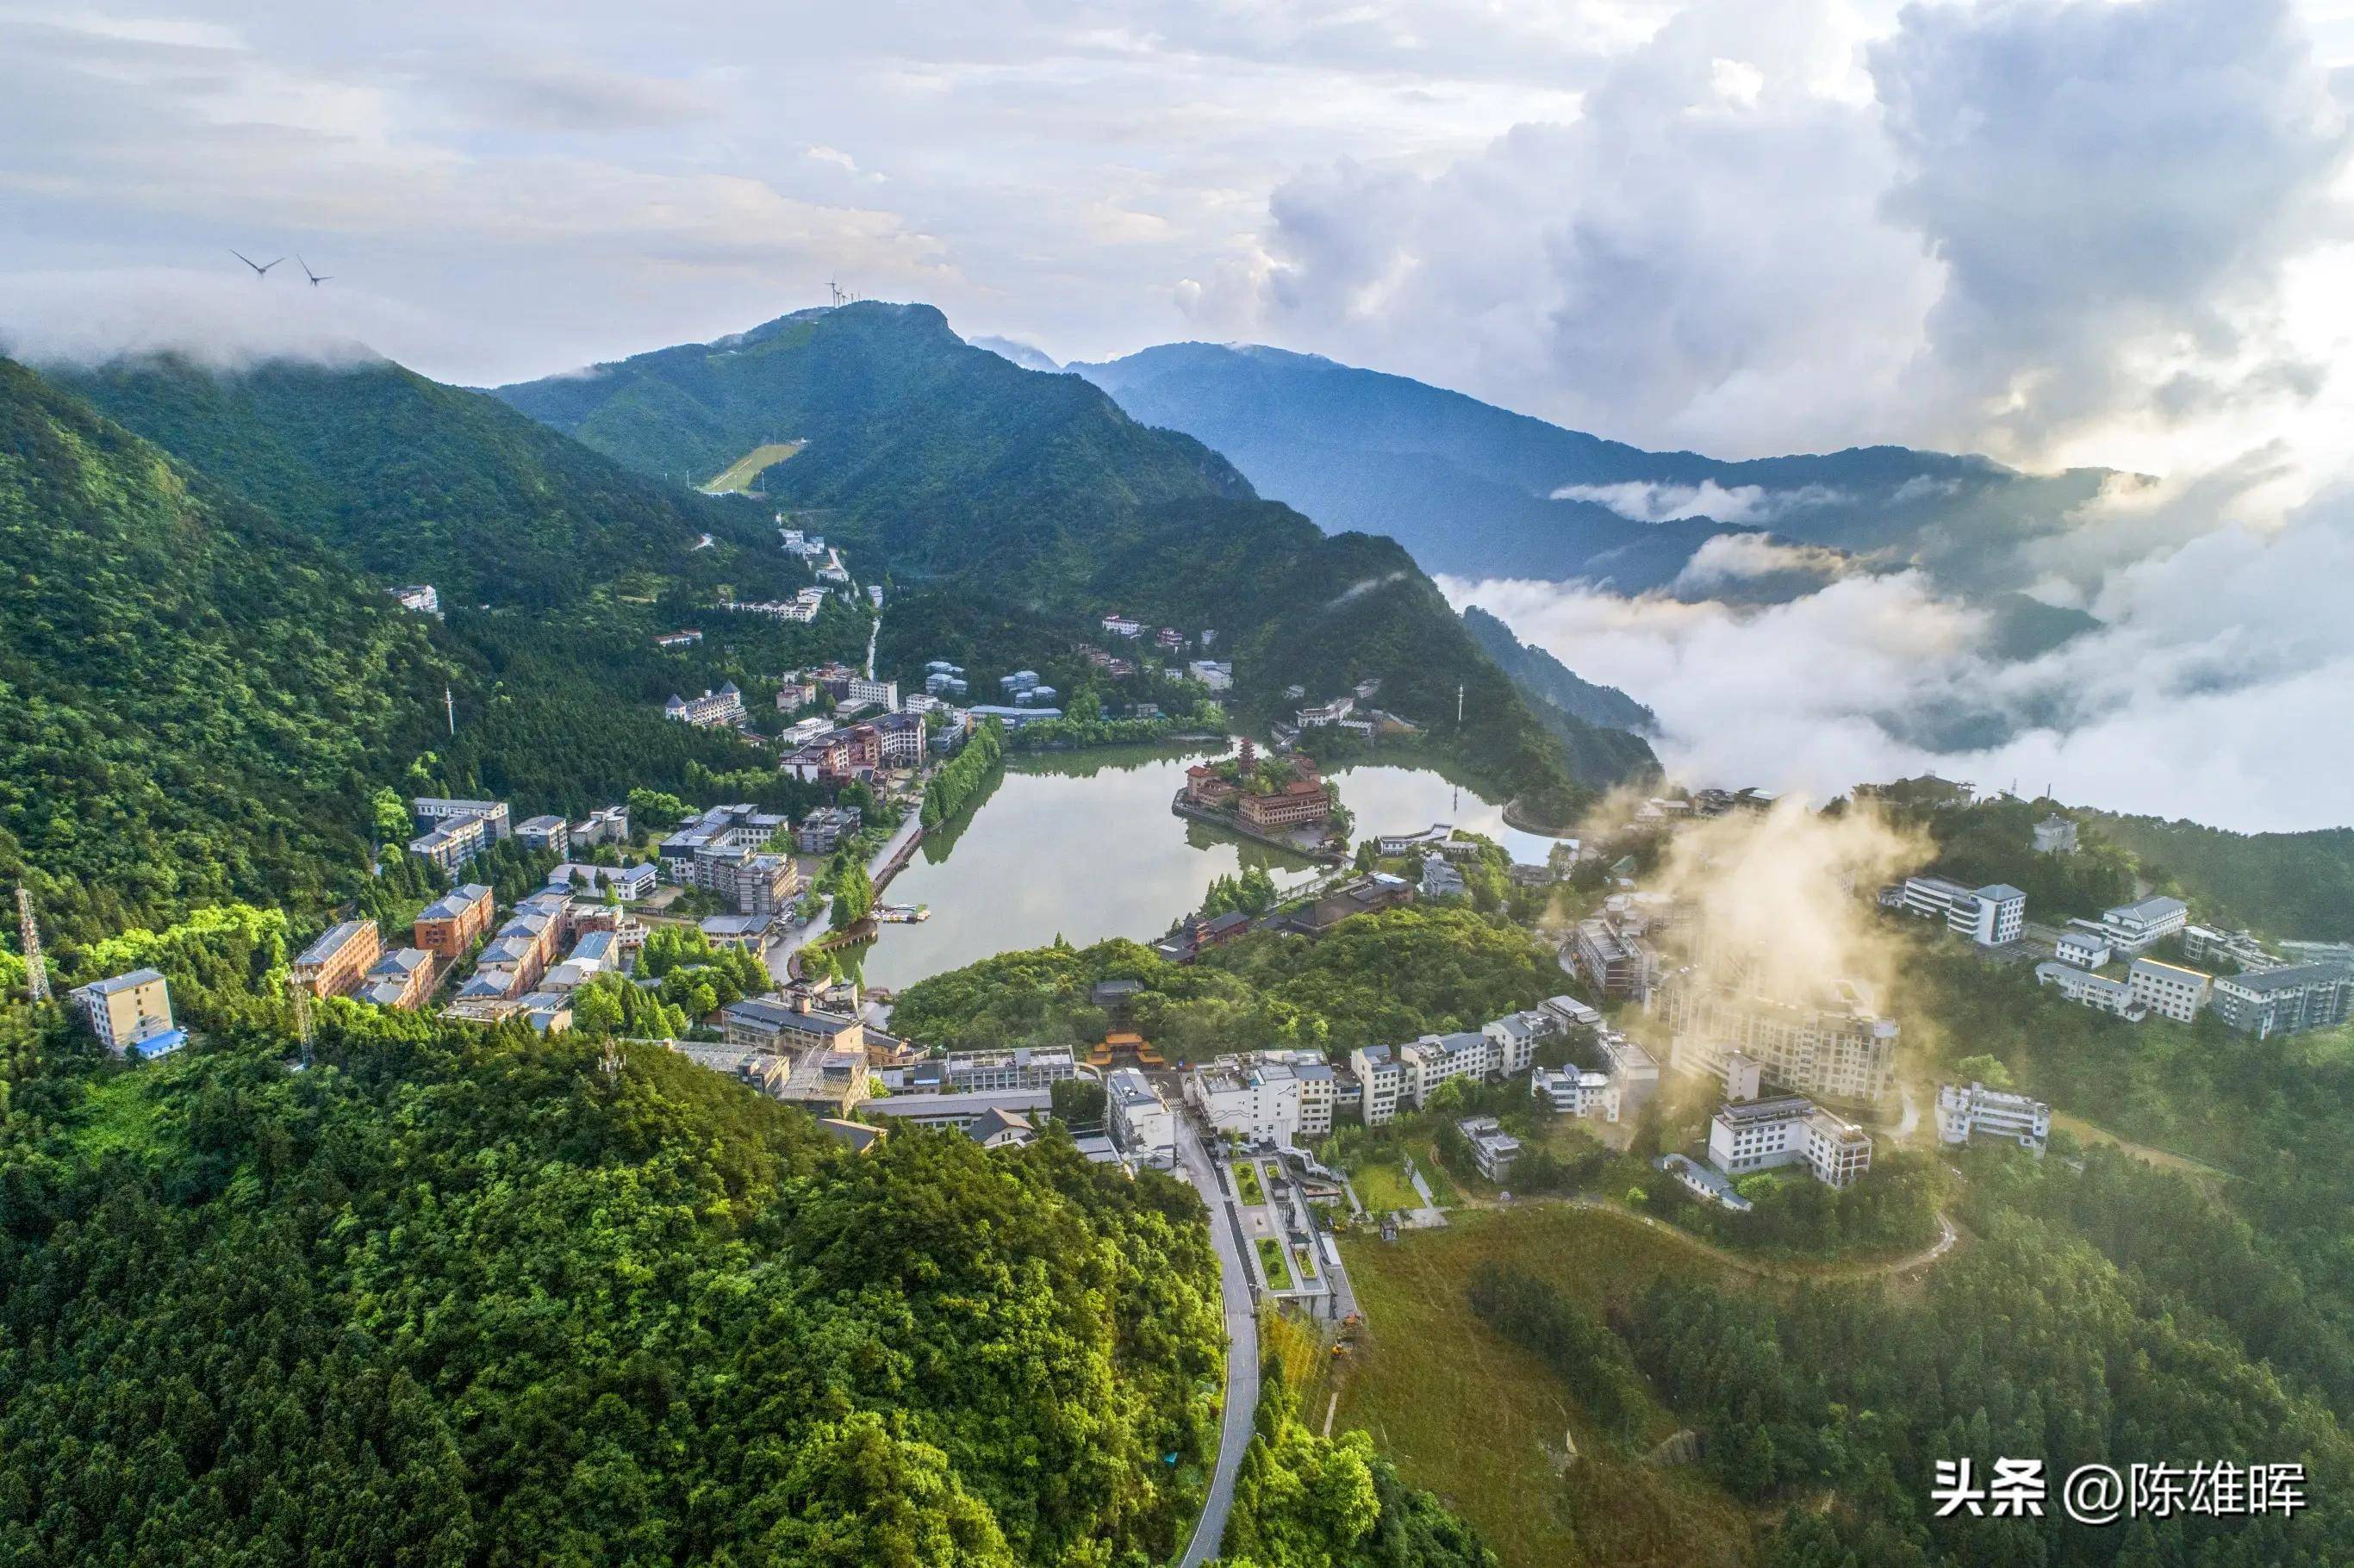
1643,501
2215,688
224,321
1729,559
2058,230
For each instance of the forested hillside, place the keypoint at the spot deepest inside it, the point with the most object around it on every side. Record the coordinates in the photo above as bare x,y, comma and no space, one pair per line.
417,482
952,467
192,697
456,1296
2285,885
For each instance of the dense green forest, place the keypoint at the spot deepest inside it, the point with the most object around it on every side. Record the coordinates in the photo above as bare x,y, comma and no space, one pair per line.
193,698
459,1296
2284,884
1377,979
956,468
417,481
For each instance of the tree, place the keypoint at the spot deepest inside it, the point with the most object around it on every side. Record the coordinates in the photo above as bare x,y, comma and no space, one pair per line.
1984,1068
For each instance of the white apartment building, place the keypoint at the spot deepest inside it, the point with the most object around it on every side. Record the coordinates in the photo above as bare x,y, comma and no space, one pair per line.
724,706
1382,1077
2138,925
1249,1098
1973,1110
1492,1149
1760,1135
1829,1044
1140,1120
435,808
2168,990
2096,991
2055,835
1575,1091
2084,944
1989,916
2201,944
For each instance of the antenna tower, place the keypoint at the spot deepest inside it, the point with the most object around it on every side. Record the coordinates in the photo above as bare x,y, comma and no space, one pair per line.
609,1061
28,934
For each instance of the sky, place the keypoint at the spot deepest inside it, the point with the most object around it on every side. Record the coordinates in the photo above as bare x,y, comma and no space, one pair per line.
2105,232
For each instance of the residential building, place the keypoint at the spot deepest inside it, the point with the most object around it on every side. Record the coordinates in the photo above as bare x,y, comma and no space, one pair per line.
1492,1149
130,1014
1761,1135
422,598
629,883
1973,1110
2286,1000
1217,674
861,689
1578,1091
2133,927
823,831
2055,835
333,965
1024,1067
1827,1043
449,844
431,808
687,855
901,739
2100,993
1612,958
1252,1098
1140,1123
794,696
517,954
769,1024
2083,944
552,834
400,978
1441,880
1382,1079
1123,626
2166,990
2241,949
1989,915
455,921
606,825
724,706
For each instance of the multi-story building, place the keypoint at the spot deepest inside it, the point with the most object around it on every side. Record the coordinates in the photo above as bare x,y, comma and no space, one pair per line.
1302,801
861,689
736,827
2286,1000
2241,949
629,883
130,1014
399,979
514,958
686,637
724,706
552,834
826,1079
335,964
422,598
1441,880
1760,1135
1321,713
901,738
980,1072
2085,944
455,921
1251,1098
2168,990
1989,916
2098,991
768,1023
1615,961
1217,674
432,809
1578,1091
606,825
2135,927
823,831
1829,1043
1140,1123
1123,626
2055,835
1973,1110
451,845
1382,1077
1492,1149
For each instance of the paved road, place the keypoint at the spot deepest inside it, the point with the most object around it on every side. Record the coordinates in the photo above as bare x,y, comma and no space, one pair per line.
1242,1349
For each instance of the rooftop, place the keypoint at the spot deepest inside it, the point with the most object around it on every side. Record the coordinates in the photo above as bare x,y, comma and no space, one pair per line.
122,982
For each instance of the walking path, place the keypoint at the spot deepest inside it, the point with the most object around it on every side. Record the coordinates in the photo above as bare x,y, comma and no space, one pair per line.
1242,1348
1831,1271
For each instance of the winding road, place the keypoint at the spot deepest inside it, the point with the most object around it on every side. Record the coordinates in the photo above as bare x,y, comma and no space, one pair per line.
1242,1347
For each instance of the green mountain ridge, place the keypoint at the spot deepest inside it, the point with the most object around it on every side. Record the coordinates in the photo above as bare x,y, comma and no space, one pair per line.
192,695
956,470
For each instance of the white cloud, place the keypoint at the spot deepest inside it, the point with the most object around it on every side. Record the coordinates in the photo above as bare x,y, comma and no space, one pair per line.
1729,559
2216,690
1643,501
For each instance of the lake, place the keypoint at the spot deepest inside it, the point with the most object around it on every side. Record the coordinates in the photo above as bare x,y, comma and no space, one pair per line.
1083,845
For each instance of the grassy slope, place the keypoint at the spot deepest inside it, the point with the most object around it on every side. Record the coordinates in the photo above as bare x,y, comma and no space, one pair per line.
1479,1421
749,467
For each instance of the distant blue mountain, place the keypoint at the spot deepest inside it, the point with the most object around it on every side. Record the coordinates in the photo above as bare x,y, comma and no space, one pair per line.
1478,490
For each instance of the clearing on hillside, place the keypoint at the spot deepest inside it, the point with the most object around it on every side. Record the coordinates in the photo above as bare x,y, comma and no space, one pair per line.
750,466
1480,1421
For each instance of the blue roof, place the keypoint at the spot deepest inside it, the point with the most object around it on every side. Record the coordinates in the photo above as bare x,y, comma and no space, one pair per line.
162,1044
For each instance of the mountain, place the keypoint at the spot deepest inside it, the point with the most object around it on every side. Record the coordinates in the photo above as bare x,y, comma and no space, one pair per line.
1547,678
194,694
1477,491
962,473
418,481
1021,353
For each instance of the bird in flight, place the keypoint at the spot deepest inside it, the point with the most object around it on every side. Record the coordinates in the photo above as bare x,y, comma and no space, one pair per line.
315,278
260,269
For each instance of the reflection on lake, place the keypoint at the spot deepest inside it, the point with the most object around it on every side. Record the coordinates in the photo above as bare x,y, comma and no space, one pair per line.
1389,800
1083,845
